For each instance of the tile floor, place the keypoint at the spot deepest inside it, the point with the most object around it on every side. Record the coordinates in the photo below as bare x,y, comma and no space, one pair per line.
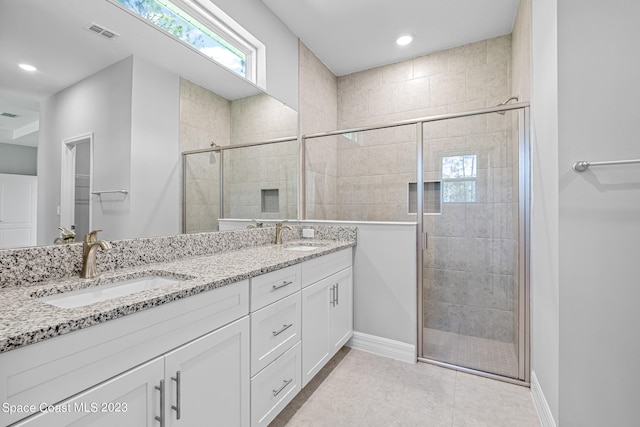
481,354
362,389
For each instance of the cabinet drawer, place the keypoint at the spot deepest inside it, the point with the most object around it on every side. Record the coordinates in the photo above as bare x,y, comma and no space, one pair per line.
274,387
274,329
321,267
273,286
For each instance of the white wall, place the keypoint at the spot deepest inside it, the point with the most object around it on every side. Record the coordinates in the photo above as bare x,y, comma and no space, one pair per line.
585,226
100,104
385,300
132,108
155,154
18,159
544,215
281,43
598,113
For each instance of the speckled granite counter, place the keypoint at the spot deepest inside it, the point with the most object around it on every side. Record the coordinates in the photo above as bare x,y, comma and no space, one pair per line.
26,320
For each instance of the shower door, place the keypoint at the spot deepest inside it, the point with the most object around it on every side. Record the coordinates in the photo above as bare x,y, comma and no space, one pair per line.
475,199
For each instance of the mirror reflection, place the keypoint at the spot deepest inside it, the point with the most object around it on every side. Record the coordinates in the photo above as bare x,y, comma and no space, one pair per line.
141,99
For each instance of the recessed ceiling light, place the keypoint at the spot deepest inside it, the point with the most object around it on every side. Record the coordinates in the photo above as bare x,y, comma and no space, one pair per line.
27,67
404,39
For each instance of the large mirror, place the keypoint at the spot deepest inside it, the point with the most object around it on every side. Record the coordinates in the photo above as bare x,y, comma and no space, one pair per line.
92,138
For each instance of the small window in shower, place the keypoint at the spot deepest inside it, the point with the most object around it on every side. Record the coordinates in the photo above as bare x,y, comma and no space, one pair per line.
270,201
432,197
459,175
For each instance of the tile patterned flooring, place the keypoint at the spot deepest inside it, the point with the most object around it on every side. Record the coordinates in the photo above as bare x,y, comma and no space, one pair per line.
481,354
362,389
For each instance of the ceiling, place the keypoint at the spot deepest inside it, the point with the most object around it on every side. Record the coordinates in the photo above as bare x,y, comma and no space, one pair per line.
53,36
347,35
355,35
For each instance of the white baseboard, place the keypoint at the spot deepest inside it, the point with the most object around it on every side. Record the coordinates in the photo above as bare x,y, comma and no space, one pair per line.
383,347
540,402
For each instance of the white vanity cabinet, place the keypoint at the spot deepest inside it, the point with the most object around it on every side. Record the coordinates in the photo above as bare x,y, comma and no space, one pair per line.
205,337
327,311
205,382
276,326
130,399
233,356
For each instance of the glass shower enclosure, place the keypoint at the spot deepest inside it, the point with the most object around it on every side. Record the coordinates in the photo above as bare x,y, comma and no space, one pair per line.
468,173
474,257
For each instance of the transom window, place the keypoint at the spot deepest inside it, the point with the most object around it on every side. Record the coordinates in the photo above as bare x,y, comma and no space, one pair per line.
205,28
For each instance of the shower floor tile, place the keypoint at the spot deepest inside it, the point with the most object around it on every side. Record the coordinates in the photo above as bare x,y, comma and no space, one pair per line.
482,354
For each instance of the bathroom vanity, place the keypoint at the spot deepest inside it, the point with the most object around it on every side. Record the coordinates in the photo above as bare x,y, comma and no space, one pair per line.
230,341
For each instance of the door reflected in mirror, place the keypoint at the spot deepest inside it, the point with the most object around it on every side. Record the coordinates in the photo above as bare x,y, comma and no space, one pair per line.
75,207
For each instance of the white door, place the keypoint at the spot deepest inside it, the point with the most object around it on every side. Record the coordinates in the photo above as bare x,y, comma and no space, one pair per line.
316,300
128,400
208,379
341,318
18,210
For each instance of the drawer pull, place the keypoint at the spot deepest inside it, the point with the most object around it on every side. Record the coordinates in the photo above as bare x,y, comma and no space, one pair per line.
284,283
161,390
284,328
286,383
176,407
337,293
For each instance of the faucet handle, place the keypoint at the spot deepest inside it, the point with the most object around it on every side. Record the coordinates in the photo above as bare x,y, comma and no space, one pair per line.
92,237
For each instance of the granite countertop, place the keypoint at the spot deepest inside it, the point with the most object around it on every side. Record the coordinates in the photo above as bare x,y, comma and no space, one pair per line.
26,320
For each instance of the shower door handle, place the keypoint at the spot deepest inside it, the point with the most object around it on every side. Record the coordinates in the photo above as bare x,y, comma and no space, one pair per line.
423,240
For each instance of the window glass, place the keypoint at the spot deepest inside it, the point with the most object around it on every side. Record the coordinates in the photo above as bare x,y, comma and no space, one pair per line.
459,179
180,24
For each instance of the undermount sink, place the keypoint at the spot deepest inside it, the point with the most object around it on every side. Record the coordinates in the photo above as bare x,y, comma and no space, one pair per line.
303,247
99,293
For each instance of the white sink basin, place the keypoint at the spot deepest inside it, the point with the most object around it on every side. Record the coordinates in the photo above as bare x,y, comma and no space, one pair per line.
99,293
303,246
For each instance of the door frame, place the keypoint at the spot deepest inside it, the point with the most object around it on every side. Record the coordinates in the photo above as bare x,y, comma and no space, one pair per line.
524,213
67,174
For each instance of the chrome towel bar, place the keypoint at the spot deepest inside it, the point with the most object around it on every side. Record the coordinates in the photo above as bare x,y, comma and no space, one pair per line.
98,193
582,166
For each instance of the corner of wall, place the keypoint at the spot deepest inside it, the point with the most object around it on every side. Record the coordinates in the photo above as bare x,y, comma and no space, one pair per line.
541,404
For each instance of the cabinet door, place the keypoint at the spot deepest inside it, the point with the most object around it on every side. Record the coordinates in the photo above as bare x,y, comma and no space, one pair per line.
128,400
341,315
315,328
208,379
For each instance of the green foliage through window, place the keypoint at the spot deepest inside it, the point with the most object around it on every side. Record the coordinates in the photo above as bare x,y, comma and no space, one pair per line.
459,179
175,21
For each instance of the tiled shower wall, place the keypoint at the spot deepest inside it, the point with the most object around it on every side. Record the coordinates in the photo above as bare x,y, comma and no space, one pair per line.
471,264
318,94
249,171
206,117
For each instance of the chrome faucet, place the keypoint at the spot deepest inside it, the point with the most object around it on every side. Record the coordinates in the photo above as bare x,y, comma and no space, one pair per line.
89,252
279,228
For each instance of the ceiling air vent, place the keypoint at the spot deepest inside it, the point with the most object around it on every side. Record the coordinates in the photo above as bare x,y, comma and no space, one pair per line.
10,115
100,30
